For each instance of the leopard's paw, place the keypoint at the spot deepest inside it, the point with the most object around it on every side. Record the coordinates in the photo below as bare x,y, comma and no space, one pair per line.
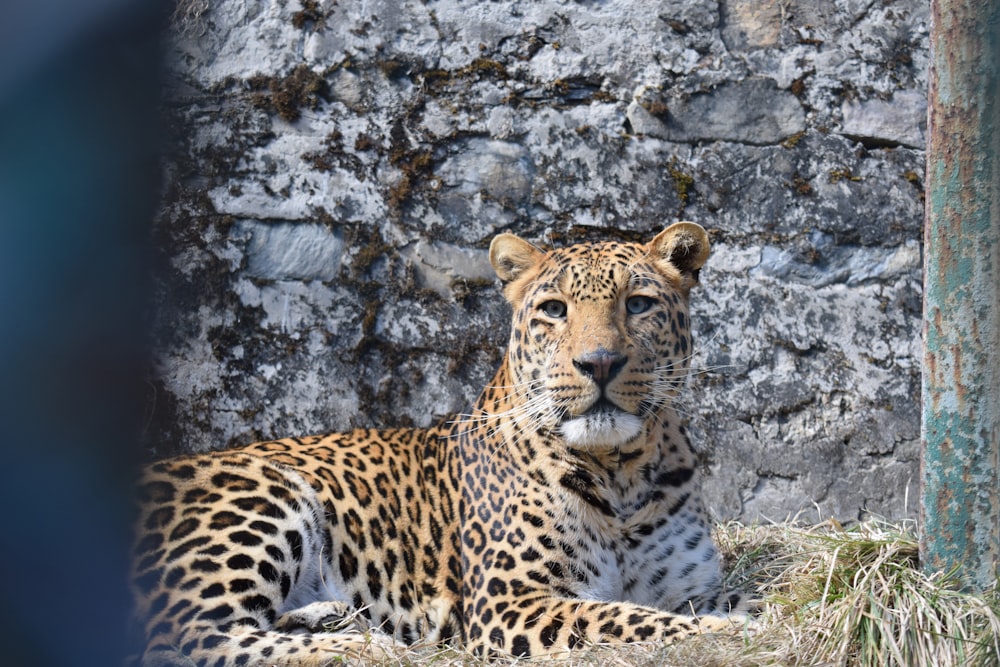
323,616
728,624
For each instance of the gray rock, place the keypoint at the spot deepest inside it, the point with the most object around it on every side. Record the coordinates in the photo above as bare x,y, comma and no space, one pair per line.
899,120
819,261
283,251
445,268
752,111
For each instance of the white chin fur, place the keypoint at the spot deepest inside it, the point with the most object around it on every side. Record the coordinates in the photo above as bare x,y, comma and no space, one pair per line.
607,429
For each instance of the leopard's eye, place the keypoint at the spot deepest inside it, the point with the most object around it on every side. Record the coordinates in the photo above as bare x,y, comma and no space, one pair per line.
554,309
638,304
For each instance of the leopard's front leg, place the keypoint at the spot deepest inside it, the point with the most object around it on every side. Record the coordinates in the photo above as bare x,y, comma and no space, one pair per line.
546,625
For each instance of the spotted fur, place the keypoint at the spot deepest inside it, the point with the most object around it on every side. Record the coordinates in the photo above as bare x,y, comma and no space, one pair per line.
562,511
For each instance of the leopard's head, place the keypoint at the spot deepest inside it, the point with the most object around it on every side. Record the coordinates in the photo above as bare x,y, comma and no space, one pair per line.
600,339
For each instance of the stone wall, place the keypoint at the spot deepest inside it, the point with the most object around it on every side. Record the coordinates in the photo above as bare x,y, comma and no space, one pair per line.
339,168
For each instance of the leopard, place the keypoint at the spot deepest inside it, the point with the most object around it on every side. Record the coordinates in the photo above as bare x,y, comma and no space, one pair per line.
563,510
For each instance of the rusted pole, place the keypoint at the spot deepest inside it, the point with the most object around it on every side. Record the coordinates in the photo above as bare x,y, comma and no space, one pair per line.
961,378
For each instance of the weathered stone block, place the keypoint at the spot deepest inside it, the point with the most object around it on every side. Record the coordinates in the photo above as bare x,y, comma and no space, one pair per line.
899,120
752,111
282,251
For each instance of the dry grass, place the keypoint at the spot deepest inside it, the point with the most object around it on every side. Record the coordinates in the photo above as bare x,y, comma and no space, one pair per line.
857,597
830,595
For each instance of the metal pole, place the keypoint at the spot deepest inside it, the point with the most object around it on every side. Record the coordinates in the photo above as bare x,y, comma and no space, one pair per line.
961,377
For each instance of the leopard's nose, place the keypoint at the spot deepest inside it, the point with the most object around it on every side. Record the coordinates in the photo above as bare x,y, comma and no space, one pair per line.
601,365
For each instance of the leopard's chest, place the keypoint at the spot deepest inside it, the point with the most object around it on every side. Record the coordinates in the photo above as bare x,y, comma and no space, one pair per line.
659,555
605,580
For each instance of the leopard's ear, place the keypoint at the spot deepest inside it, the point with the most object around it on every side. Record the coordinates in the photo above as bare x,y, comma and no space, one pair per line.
511,256
684,246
